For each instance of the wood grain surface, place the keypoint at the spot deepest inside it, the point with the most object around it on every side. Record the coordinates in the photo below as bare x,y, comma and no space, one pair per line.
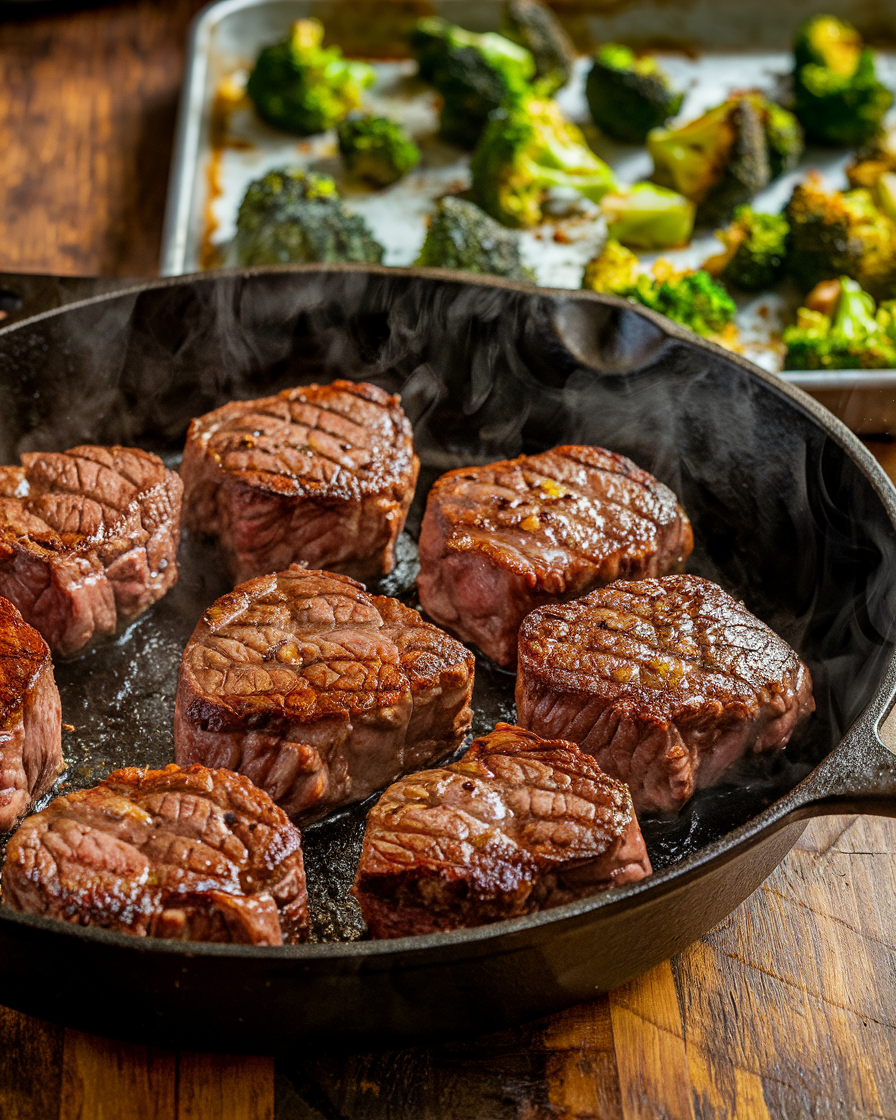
786,1010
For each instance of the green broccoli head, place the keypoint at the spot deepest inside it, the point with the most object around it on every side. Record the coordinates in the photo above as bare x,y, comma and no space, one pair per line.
301,87
627,95
613,271
691,298
534,26
856,336
462,236
649,217
292,217
473,73
755,250
838,97
840,234
376,149
527,150
874,169
783,136
720,160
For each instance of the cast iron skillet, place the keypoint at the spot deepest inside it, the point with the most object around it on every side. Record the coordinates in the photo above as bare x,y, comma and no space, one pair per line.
790,513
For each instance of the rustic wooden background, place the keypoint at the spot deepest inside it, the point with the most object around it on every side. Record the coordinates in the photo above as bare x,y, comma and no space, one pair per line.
786,1010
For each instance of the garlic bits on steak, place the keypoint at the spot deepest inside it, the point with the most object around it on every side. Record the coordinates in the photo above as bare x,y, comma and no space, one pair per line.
319,692
499,540
666,682
518,824
321,475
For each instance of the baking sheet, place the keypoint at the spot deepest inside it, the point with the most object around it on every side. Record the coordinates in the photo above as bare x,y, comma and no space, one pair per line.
222,146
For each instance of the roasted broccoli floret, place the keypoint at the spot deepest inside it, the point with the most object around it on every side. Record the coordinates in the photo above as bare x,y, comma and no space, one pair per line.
614,270
627,95
876,158
755,250
837,94
874,168
462,236
720,160
302,87
649,217
783,136
290,216
856,336
376,149
473,73
840,234
535,27
691,298
528,149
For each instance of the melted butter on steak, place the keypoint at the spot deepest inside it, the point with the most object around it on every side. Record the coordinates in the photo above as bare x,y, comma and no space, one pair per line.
321,474
499,540
665,681
518,824
192,854
319,692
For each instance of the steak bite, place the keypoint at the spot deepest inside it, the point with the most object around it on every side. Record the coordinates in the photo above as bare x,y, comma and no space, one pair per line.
321,475
665,681
498,541
518,824
30,717
320,693
193,855
88,539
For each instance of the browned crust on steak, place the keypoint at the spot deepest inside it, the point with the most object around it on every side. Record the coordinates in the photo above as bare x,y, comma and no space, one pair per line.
192,854
518,824
665,681
321,693
499,540
321,474
30,717
88,539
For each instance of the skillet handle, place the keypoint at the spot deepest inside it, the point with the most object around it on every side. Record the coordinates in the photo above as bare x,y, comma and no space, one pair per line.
862,778
23,294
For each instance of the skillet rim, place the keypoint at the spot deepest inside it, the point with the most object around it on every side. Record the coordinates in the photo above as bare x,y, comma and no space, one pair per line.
801,802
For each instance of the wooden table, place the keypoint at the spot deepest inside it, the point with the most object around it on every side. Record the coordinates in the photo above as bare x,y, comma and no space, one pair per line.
787,1009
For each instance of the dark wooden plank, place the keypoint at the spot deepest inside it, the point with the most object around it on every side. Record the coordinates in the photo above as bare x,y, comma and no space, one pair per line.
107,1080
30,1067
223,1087
795,993
563,1068
86,123
648,1036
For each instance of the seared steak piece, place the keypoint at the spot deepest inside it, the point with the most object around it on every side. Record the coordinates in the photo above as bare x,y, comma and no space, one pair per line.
30,717
320,693
665,681
321,475
194,855
518,824
498,541
88,539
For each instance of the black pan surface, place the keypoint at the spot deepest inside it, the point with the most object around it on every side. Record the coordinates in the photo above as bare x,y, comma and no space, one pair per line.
790,514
